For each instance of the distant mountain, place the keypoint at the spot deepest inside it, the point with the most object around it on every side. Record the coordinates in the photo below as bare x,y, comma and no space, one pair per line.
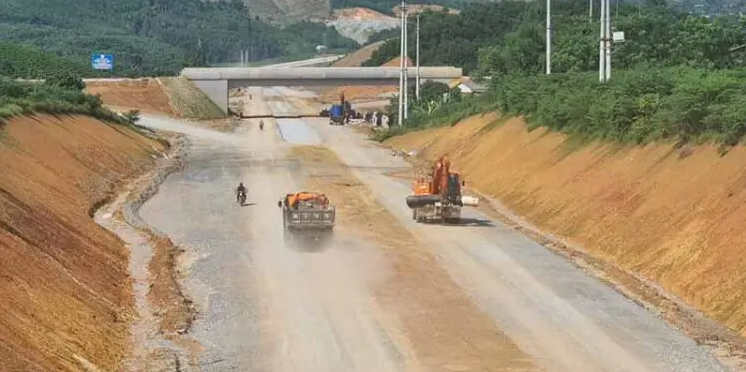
160,36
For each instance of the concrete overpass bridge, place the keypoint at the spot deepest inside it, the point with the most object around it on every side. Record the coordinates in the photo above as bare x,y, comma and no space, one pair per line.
216,82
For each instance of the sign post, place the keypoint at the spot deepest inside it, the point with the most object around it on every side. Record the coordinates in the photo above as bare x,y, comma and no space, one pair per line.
102,62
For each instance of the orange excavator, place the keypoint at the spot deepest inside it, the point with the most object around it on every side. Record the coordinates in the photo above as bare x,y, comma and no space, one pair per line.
436,196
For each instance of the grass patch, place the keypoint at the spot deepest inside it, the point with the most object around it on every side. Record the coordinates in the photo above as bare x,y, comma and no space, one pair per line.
19,98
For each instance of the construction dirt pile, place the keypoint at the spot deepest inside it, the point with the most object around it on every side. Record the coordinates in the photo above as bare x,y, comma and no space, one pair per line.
146,95
358,57
360,24
363,93
673,215
420,8
65,286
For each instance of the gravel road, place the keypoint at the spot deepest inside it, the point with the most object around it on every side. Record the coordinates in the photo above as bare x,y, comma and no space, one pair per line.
270,306
566,320
265,306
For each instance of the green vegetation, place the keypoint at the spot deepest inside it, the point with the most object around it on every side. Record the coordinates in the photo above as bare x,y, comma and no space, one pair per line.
675,76
19,98
28,62
155,37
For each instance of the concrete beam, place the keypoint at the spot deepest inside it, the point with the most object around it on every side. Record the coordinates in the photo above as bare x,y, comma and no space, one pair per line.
215,82
317,73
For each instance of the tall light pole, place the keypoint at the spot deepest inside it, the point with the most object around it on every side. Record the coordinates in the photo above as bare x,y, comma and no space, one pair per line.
417,92
406,66
590,11
401,66
602,44
549,38
608,40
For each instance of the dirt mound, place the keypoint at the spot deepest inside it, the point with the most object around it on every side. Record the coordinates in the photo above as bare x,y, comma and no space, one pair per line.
363,93
675,216
65,285
362,14
356,59
419,8
146,95
360,24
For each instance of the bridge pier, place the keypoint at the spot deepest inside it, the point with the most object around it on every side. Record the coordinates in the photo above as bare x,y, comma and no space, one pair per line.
215,90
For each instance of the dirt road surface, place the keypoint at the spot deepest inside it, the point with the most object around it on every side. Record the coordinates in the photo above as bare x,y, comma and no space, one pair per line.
481,289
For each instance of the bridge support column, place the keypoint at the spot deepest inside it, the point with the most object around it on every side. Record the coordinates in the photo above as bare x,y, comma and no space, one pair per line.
216,90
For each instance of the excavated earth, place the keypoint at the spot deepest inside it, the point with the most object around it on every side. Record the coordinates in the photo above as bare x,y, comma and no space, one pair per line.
65,292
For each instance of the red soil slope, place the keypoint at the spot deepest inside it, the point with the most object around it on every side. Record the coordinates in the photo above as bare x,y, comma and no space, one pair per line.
65,292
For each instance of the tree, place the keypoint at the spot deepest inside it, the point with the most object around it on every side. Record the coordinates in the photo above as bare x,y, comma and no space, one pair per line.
66,80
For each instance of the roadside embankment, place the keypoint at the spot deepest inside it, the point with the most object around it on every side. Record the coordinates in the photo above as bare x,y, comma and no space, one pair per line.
65,287
675,216
145,95
170,96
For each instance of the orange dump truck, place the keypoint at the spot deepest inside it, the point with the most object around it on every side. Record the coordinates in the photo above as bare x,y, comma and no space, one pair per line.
307,211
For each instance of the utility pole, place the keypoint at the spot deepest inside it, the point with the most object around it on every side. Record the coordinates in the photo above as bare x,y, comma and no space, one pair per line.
602,45
417,92
590,11
406,65
608,40
549,37
401,71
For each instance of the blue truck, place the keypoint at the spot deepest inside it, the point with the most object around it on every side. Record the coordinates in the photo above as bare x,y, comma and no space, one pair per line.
337,114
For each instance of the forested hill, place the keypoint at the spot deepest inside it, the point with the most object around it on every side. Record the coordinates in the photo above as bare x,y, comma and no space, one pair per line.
509,37
156,36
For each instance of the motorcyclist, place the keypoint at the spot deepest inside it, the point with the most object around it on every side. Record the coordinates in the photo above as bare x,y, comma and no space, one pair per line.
241,189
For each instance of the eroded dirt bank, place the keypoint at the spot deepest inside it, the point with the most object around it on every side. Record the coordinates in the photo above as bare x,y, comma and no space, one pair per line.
675,216
65,292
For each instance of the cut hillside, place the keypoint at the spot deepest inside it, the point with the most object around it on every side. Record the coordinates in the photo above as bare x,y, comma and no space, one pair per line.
171,96
188,100
360,24
364,93
65,288
356,59
674,216
145,95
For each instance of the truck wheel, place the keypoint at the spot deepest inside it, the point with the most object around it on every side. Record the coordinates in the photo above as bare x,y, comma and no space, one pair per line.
414,214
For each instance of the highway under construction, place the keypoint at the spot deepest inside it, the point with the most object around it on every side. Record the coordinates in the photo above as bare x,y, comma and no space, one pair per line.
385,293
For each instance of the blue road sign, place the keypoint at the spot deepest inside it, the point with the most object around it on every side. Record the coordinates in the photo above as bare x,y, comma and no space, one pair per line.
102,61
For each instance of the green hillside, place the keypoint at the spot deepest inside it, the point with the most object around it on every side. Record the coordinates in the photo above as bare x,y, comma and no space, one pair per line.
155,37
675,76
30,62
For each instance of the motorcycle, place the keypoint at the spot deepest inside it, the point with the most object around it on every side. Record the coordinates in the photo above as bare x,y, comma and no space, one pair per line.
242,198
261,125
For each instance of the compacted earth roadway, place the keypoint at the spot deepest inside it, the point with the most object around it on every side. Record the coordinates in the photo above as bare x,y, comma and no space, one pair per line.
385,294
